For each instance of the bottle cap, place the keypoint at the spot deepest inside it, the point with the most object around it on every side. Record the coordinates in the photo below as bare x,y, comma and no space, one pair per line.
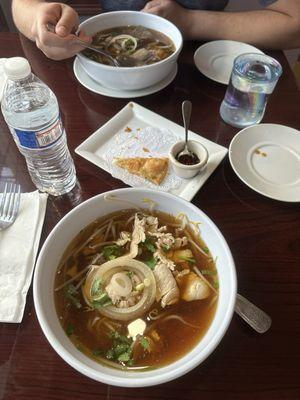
17,68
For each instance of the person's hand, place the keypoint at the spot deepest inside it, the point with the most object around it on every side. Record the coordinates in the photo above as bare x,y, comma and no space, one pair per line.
61,43
170,10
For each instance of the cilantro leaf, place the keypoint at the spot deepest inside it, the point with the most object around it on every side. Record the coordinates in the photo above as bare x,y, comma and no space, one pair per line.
149,245
151,263
97,352
70,293
144,342
111,252
125,357
69,329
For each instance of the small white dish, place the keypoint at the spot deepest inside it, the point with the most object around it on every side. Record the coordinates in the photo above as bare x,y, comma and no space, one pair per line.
95,87
188,171
134,116
215,59
267,158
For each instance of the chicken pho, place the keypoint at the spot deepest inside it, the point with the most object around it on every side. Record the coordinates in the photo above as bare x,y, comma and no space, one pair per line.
136,289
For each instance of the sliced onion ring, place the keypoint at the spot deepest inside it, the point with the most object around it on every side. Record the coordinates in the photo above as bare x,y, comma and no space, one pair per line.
105,271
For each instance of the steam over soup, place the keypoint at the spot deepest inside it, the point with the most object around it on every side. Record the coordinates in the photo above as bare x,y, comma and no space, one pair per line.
136,289
132,46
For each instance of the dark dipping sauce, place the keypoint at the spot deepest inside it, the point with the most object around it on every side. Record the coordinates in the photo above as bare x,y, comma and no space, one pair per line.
188,159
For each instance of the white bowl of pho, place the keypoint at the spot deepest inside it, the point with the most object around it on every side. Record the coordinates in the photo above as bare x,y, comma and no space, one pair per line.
134,287
146,46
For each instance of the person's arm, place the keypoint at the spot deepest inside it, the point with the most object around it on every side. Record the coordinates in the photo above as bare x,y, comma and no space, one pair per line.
31,18
277,26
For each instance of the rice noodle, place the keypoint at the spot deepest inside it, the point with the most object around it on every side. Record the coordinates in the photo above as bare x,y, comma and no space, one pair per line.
129,220
154,314
107,230
111,197
205,280
96,246
94,260
152,203
80,283
99,230
177,317
212,302
168,46
163,318
113,231
195,244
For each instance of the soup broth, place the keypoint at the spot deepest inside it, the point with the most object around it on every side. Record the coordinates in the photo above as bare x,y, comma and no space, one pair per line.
177,311
132,46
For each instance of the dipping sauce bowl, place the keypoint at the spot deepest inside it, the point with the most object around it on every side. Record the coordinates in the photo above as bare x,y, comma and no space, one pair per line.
188,171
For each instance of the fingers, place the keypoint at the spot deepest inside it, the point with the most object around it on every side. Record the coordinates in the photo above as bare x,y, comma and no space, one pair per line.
151,4
68,21
84,37
54,45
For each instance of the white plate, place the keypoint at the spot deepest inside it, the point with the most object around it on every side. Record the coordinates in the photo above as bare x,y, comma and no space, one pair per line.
95,87
135,116
215,59
267,158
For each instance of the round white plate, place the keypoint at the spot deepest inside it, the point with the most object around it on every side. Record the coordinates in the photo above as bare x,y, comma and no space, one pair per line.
215,59
267,158
95,87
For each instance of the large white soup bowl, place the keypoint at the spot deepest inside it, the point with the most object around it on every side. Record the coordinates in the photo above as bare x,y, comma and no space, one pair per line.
130,78
70,226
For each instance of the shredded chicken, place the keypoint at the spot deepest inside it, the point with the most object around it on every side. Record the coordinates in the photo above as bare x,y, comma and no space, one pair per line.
131,301
138,235
167,289
180,242
160,255
125,237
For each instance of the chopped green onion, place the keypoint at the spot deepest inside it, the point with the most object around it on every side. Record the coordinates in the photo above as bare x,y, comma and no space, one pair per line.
69,330
216,285
208,272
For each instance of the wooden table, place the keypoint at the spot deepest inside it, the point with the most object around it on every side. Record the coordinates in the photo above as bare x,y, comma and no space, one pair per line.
264,237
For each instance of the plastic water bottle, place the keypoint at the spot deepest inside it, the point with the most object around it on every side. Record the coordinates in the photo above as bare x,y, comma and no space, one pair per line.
31,112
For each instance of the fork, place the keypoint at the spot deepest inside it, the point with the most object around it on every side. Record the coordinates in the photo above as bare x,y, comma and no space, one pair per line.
10,203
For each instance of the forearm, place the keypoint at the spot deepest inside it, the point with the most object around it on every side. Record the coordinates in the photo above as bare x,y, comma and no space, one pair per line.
24,12
263,28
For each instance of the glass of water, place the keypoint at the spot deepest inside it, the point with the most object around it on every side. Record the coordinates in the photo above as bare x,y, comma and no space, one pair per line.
253,79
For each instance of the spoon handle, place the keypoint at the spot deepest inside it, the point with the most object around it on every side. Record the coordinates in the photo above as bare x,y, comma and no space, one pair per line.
254,316
186,115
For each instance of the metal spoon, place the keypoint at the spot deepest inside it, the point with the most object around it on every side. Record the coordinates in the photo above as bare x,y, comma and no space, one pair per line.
254,316
51,28
186,115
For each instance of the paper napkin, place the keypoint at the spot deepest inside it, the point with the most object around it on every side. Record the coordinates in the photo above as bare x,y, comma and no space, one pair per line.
18,249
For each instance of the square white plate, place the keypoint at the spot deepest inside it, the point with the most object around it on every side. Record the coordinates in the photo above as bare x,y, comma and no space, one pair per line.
135,116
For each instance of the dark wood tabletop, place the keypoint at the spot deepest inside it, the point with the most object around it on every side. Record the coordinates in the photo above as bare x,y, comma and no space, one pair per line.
263,234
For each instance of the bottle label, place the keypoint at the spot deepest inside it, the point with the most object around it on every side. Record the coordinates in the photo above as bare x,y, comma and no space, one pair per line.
40,139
